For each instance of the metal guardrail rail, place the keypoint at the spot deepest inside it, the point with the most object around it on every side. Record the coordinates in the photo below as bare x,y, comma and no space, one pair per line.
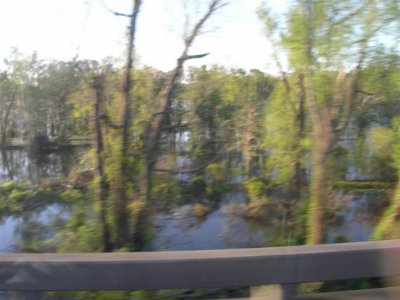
286,266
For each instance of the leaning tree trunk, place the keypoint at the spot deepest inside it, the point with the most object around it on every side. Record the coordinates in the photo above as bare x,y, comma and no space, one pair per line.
165,99
158,121
318,186
122,226
323,140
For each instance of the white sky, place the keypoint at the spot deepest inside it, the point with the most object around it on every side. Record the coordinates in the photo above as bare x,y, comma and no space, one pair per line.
60,29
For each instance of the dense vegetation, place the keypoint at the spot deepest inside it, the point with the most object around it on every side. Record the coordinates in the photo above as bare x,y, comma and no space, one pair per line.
328,121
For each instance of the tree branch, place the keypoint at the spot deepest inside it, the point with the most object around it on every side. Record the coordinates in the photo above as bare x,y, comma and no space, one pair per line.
118,14
214,5
187,57
121,14
107,121
348,16
188,170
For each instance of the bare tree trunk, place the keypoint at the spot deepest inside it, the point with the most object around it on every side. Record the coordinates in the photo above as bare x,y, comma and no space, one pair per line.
318,187
128,82
4,124
158,120
323,137
3,140
121,201
6,161
102,188
166,96
298,180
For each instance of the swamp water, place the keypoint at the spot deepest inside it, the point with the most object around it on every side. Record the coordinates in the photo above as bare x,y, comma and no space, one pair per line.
179,228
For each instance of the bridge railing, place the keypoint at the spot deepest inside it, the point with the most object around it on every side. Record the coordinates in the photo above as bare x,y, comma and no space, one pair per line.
286,266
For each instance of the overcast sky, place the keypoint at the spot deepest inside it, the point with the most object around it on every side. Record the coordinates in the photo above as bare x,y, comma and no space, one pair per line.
61,29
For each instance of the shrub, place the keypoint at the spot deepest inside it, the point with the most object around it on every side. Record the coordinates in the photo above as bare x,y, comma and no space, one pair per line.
258,200
198,185
255,187
216,172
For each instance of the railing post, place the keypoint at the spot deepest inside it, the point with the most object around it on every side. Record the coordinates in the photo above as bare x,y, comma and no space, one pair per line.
273,292
288,291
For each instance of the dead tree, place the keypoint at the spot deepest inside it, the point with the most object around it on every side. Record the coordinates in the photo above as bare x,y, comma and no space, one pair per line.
102,188
163,106
165,98
121,182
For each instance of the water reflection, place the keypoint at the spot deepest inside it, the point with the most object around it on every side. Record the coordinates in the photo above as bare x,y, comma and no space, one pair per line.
182,230
7,238
178,229
216,231
32,230
356,219
21,165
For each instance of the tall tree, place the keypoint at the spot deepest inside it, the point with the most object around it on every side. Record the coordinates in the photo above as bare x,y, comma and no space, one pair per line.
160,116
121,201
8,101
285,114
102,189
322,39
165,98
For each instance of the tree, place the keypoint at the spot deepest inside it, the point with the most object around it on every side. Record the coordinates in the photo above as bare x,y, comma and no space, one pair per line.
285,116
322,40
165,98
59,79
286,136
210,114
102,189
159,119
249,93
8,101
121,201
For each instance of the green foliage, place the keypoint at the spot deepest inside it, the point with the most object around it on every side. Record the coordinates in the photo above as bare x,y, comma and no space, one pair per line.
198,185
351,285
337,163
364,186
380,151
82,232
102,295
166,190
300,214
256,189
396,145
225,110
281,137
216,189
17,197
8,186
216,172
71,196
218,113
388,227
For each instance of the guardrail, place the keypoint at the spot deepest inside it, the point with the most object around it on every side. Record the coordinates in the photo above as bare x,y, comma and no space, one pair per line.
286,266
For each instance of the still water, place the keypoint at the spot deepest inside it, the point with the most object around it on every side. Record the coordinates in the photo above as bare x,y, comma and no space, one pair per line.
179,229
